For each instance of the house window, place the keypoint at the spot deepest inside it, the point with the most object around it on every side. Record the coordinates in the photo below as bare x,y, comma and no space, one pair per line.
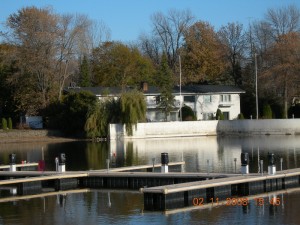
173,116
225,98
207,98
226,115
158,99
189,98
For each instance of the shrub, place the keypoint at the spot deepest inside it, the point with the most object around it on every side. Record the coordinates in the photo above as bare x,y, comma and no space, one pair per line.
187,114
10,125
4,124
219,115
267,112
241,116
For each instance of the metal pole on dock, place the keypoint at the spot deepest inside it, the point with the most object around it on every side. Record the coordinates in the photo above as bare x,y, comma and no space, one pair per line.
207,166
281,162
107,164
262,167
56,164
235,165
153,162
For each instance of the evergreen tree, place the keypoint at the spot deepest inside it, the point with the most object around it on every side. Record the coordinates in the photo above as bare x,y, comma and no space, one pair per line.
4,124
219,115
267,112
165,83
10,123
84,76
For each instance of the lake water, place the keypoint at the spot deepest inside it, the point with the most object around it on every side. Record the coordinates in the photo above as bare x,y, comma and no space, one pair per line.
202,154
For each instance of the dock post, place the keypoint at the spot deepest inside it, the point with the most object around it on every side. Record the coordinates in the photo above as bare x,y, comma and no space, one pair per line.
164,162
262,167
62,163
107,164
234,164
56,164
12,162
271,167
281,162
153,162
245,163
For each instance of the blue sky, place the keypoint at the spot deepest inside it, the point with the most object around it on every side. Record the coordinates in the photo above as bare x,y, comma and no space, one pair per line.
128,18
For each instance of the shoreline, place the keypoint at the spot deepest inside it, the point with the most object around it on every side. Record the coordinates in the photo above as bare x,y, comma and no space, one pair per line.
38,139
33,136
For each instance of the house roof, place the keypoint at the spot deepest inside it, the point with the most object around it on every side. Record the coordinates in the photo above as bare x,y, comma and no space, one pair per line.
210,89
152,90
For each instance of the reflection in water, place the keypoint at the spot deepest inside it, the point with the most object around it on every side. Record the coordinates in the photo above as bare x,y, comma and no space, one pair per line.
121,207
222,153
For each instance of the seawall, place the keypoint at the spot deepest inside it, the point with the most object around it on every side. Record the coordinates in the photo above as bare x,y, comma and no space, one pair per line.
211,127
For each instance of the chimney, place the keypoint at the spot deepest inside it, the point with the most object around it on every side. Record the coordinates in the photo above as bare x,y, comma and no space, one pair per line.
144,86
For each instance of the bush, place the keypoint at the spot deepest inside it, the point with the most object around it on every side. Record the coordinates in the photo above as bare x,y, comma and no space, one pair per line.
187,114
10,125
219,115
267,112
241,116
4,124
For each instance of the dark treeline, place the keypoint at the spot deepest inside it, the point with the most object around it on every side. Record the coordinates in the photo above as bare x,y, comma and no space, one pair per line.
42,52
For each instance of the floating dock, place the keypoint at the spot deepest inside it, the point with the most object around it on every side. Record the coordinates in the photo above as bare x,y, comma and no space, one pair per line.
182,195
162,191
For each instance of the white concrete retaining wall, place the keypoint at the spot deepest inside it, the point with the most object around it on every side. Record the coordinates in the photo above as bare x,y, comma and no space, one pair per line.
210,127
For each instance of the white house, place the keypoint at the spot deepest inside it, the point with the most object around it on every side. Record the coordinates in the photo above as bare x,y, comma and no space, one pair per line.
203,99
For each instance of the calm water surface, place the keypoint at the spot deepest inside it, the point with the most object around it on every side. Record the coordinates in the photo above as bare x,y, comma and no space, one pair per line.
203,154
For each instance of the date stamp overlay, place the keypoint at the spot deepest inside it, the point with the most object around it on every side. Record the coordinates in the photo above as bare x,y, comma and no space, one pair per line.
239,201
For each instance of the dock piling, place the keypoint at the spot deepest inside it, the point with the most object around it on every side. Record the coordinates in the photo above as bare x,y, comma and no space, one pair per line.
164,162
12,162
272,166
62,163
245,163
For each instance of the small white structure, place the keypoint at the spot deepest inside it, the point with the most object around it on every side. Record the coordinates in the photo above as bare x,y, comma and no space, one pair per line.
34,122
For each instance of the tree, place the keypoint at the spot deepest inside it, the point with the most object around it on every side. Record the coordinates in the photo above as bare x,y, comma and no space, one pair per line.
167,35
234,41
283,68
267,112
202,54
276,43
98,120
47,47
84,73
164,82
34,32
4,124
133,109
7,68
115,64
76,107
72,43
